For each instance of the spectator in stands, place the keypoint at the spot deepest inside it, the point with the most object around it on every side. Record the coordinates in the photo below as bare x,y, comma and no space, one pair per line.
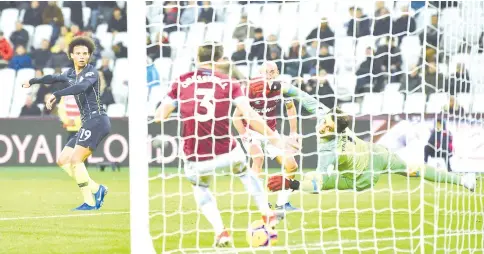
275,55
152,76
244,30
404,25
6,50
460,81
118,22
435,82
42,55
382,22
319,86
45,111
53,16
33,15
365,79
323,33
20,36
76,12
272,44
239,57
326,60
58,58
412,82
29,109
308,63
293,60
101,11
170,19
107,97
21,60
453,108
96,55
259,47
433,32
76,31
43,88
206,13
65,35
313,48
390,60
120,51
106,70
440,143
189,14
359,25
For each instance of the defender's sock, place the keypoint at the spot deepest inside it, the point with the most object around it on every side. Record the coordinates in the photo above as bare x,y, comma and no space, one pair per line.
434,175
208,206
283,197
254,186
82,179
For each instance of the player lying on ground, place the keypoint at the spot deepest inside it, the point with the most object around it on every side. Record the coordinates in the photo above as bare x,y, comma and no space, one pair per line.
265,95
347,162
82,81
204,99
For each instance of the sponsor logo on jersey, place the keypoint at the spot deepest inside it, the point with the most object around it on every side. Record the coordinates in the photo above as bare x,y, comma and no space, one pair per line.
204,79
89,74
81,79
264,110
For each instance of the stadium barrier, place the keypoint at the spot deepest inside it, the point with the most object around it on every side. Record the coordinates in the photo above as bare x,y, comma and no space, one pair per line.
38,141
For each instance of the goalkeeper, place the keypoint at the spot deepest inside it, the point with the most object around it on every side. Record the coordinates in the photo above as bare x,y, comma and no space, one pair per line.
348,163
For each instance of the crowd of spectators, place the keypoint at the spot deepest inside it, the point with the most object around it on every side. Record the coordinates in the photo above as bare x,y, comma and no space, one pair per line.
16,52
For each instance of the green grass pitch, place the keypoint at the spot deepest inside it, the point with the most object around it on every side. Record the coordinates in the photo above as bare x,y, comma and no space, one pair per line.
35,217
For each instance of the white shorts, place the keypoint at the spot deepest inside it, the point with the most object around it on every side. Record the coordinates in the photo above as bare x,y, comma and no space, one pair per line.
201,172
269,150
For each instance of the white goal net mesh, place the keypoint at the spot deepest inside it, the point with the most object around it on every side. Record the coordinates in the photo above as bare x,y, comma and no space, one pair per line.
402,69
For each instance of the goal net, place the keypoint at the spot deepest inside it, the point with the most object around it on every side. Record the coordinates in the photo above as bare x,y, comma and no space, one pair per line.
410,74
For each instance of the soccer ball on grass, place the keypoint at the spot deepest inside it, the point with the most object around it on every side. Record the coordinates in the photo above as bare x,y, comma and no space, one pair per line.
261,235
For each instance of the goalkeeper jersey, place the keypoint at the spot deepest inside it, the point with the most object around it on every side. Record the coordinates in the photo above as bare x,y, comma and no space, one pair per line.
345,153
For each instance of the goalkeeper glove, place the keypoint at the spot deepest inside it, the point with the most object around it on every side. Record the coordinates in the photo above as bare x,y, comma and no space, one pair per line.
278,182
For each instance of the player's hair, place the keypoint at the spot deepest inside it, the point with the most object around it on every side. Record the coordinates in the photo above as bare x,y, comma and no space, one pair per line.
210,52
81,41
341,120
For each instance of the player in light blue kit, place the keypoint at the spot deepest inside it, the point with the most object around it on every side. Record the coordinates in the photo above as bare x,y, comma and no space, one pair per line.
82,81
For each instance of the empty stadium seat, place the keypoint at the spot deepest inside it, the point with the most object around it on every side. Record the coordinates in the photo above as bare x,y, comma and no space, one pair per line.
7,21
48,71
345,84
8,83
372,104
180,66
116,110
66,12
214,31
106,40
101,29
411,51
436,102
253,12
415,103
121,37
42,32
393,102
20,93
351,108
196,34
478,103
163,65
86,15
464,100
30,30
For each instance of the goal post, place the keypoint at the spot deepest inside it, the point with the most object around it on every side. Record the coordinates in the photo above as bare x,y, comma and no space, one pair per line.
394,84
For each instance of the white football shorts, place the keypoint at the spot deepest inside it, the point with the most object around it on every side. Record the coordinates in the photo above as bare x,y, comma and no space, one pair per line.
260,140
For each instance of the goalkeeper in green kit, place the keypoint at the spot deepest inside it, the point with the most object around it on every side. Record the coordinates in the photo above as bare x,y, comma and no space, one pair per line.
346,162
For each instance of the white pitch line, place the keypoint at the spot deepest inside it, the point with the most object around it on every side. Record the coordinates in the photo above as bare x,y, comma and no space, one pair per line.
62,216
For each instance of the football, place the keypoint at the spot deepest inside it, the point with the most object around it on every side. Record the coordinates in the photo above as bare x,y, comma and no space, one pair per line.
260,235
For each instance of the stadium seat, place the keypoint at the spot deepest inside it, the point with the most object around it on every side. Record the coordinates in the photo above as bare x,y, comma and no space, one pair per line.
42,32
7,21
30,30
289,11
253,12
21,15
86,15
106,40
464,100
121,37
411,51
345,84
120,77
66,12
8,83
372,104
361,45
415,103
181,65
232,14
352,108
214,32
20,93
163,65
116,110
48,71
244,69
392,87
436,102
393,102
478,103
101,29
196,34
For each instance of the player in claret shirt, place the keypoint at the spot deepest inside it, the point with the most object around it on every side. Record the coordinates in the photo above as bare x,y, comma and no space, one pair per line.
204,99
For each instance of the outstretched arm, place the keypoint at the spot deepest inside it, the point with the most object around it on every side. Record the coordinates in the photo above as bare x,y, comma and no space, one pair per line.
49,79
292,115
165,110
237,122
307,101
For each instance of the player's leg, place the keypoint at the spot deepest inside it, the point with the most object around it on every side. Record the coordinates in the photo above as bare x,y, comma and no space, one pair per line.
316,181
89,137
64,160
290,166
200,176
257,157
